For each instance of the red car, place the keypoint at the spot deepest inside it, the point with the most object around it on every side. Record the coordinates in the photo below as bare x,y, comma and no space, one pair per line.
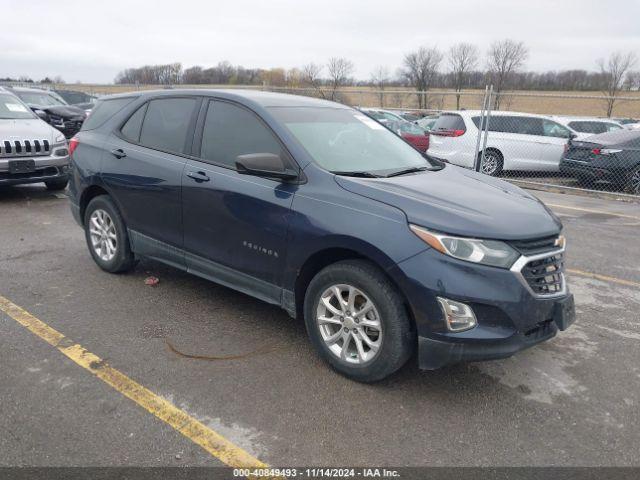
412,133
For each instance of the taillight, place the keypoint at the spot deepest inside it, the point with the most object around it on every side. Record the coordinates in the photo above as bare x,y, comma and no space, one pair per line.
449,133
73,144
604,151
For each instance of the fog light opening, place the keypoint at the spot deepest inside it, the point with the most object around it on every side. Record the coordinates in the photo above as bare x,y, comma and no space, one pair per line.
458,316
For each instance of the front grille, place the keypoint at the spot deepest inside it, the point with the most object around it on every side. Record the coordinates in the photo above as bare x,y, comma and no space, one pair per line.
545,275
24,148
536,246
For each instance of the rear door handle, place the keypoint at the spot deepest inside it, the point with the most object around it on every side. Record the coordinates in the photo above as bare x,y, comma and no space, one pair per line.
118,153
198,176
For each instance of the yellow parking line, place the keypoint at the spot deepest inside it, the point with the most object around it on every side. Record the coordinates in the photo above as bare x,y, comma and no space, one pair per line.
588,210
604,278
208,439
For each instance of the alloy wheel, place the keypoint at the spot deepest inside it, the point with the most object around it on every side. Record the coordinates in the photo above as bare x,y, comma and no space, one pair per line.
489,164
349,324
103,235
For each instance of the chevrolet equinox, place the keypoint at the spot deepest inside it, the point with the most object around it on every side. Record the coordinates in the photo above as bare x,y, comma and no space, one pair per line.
317,208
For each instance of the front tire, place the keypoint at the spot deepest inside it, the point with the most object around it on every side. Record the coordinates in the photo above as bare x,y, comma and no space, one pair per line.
357,321
106,236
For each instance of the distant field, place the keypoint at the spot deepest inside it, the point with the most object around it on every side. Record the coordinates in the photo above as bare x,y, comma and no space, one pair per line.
560,103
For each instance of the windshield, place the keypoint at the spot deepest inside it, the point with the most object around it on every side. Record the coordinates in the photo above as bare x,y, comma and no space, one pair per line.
13,109
38,98
345,140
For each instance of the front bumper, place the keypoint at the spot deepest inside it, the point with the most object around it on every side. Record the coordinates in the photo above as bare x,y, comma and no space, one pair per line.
46,168
510,317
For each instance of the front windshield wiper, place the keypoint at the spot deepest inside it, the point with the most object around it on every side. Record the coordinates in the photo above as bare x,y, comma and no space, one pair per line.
405,171
357,174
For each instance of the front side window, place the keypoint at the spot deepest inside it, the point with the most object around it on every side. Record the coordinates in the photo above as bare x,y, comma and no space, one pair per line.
345,140
553,129
230,130
166,124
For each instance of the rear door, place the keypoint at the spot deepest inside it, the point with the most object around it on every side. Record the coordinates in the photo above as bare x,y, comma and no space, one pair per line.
146,158
235,225
520,141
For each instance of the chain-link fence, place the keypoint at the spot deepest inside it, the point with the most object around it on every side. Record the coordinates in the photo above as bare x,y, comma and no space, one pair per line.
558,139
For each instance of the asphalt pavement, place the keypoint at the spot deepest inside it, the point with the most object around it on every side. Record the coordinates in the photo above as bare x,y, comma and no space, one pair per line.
574,400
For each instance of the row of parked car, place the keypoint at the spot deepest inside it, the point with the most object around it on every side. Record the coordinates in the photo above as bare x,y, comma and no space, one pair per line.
64,110
592,150
34,127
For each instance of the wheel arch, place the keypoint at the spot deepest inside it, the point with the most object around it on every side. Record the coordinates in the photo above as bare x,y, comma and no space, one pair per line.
332,254
89,194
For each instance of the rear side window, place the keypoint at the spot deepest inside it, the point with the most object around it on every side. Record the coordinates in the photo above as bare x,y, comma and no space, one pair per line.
230,131
449,121
166,124
103,111
131,129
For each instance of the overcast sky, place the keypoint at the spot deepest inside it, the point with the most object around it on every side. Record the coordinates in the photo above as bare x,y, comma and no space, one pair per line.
92,41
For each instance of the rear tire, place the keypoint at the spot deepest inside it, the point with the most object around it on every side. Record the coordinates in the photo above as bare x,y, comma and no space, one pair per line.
375,322
59,184
492,164
106,236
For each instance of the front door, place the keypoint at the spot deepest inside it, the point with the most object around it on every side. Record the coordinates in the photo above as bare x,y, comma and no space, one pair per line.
235,226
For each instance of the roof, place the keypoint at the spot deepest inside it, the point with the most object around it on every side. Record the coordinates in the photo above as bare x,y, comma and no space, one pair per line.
616,137
494,113
257,97
566,118
29,89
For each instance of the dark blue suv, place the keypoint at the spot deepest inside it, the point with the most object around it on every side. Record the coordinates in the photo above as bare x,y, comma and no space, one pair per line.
312,206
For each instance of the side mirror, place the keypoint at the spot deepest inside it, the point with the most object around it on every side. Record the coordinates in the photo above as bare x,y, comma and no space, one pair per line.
264,165
42,114
573,136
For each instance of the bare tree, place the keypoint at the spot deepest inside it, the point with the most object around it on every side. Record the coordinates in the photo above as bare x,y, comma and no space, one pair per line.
613,72
340,70
311,73
463,58
380,77
421,67
505,58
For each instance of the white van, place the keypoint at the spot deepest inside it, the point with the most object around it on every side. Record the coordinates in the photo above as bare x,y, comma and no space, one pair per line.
516,141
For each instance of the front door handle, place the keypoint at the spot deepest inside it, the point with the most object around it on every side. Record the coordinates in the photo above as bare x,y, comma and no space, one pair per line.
198,176
118,153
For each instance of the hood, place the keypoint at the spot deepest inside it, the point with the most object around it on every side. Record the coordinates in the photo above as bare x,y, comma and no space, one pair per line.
64,111
461,202
28,129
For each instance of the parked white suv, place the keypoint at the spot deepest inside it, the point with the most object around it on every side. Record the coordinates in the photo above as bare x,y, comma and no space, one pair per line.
584,127
516,141
31,151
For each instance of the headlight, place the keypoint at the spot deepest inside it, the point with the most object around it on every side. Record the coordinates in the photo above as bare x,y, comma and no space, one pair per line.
486,252
60,139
